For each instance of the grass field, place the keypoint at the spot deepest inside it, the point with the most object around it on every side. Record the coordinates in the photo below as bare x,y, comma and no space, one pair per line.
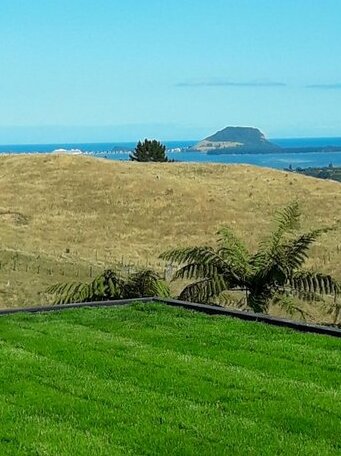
82,210
151,380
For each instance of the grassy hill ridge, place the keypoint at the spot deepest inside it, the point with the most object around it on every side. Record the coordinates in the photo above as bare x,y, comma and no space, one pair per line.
103,211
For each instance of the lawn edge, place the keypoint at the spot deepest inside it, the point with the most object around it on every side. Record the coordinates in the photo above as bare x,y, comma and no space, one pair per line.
203,308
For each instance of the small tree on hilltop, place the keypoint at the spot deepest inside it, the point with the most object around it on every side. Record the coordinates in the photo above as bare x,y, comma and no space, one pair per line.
149,151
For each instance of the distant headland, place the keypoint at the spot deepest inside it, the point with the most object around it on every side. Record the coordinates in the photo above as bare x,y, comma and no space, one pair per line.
249,140
235,138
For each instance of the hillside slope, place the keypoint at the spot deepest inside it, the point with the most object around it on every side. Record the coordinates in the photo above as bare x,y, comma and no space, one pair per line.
79,208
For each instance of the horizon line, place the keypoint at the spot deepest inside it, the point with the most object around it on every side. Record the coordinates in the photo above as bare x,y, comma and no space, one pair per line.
52,143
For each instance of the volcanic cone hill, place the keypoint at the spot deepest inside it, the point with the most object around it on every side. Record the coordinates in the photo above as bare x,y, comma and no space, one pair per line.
236,139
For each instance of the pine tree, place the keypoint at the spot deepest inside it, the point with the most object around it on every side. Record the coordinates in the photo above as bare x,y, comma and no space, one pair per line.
149,151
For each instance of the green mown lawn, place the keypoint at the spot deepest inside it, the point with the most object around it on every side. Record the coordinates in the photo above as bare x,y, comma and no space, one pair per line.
155,380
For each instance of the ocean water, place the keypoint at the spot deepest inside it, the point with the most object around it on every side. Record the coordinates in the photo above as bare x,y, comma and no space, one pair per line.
177,150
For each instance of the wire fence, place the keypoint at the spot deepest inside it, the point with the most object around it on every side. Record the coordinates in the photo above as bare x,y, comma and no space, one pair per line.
11,262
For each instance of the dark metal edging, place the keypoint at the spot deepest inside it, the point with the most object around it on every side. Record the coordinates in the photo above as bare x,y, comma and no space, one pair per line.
251,316
77,305
207,309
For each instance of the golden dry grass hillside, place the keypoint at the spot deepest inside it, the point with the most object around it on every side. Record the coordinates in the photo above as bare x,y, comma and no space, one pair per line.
81,210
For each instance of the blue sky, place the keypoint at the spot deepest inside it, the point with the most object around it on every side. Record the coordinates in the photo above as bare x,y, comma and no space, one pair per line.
107,70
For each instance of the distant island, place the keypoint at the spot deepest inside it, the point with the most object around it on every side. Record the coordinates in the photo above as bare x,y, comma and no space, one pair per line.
233,139
249,140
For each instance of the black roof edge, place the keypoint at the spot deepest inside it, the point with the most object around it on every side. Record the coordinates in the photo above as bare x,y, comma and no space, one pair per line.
204,308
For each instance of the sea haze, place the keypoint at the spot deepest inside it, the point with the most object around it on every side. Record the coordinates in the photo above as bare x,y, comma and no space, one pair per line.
177,150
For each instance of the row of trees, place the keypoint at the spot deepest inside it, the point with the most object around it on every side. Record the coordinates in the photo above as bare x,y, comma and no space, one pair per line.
273,273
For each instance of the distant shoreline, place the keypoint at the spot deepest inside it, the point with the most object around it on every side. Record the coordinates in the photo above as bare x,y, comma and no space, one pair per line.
282,150
267,160
285,146
185,150
180,151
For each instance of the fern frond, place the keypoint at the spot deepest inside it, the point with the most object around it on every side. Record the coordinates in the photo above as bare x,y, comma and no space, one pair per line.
290,306
288,218
311,283
188,254
205,290
285,257
202,261
144,283
228,240
295,252
196,271
161,289
65,293
234,251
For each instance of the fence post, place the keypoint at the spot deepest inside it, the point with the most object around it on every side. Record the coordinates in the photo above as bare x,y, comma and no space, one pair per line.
168,272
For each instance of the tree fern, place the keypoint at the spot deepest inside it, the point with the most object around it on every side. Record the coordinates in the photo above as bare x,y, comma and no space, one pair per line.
276,267
111,285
